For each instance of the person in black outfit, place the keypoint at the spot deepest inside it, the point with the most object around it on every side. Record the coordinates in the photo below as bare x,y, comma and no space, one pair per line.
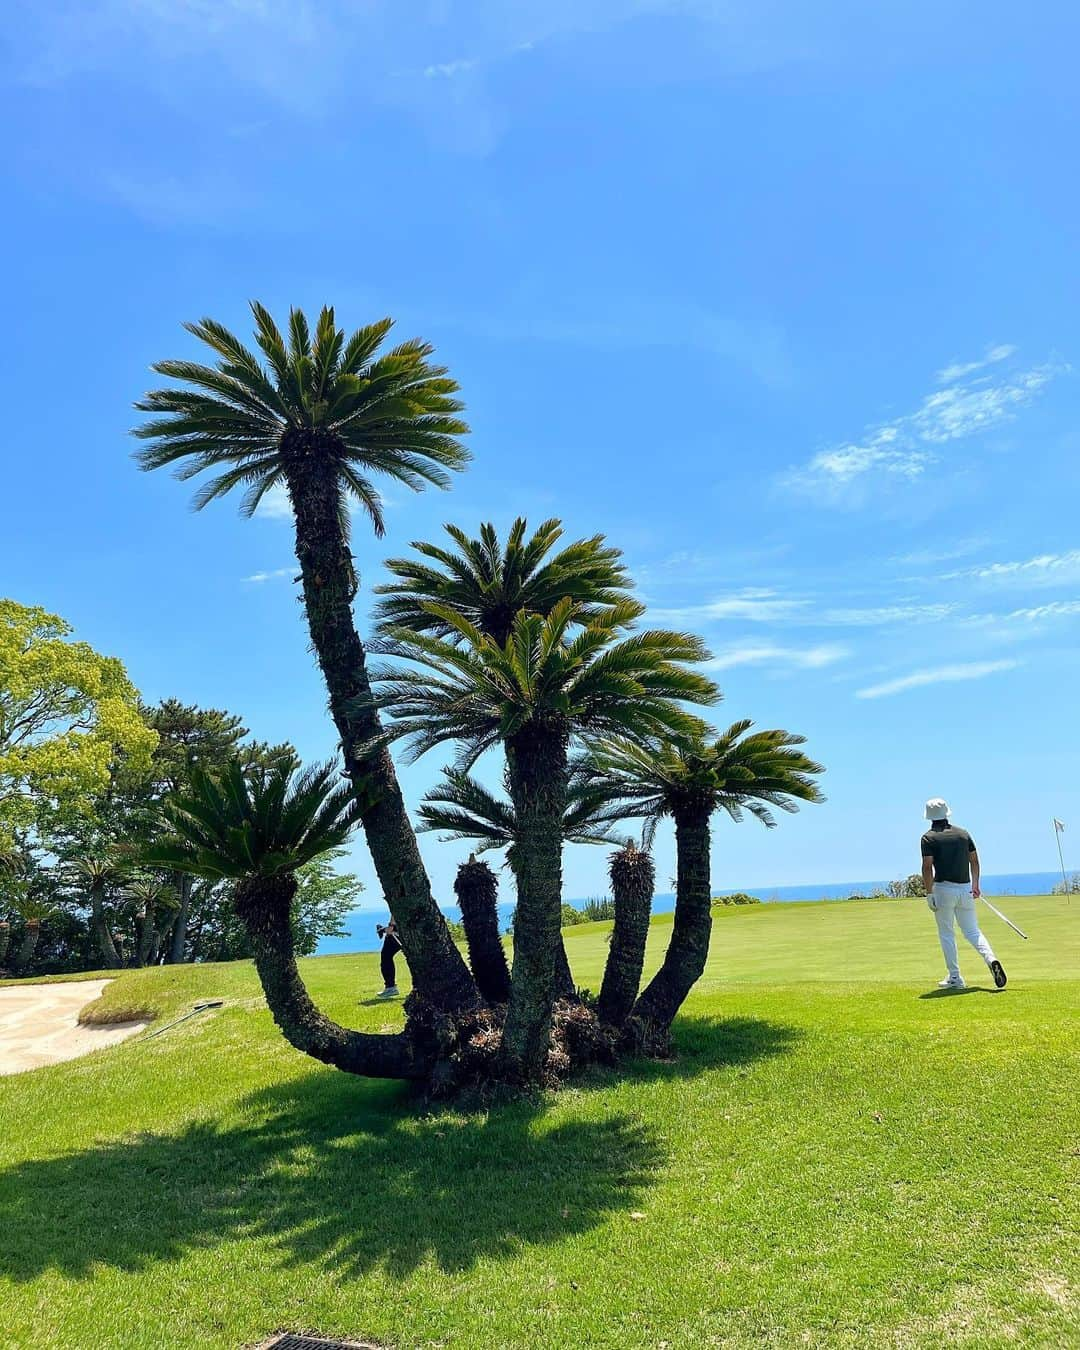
391,945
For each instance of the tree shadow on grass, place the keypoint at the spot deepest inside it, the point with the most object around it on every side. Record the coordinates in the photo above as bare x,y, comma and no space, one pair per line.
326,1169
334,1170
705,1044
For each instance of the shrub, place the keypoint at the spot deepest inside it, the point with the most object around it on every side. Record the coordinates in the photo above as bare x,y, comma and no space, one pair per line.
597,908
738,898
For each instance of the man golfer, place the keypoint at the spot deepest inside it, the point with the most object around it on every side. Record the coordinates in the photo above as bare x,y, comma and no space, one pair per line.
950,873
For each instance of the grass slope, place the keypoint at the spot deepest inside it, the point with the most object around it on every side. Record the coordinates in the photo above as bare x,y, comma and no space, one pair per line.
835,1158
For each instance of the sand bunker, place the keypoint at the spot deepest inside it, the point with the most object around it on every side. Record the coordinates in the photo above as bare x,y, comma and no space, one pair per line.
39,1024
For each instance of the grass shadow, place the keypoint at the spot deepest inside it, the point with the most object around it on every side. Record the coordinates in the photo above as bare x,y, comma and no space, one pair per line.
704,1044
955,993
326,1169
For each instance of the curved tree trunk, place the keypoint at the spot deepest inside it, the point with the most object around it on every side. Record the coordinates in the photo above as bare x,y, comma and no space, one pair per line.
110,958
262,903
5,940
28,946
632,880
438,969
688,949
476,889
536,761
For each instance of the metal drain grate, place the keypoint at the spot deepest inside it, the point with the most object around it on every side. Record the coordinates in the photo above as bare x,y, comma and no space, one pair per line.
290,1341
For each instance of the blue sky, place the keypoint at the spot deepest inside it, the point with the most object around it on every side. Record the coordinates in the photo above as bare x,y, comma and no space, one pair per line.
782,298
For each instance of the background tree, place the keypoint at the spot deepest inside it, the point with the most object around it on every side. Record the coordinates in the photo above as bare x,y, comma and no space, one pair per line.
67,715
690,780
99,877
324,417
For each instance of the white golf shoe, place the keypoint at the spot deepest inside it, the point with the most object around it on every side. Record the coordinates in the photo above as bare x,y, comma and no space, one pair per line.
949,983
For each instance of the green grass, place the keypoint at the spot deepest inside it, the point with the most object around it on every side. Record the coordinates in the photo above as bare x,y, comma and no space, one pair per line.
834,1159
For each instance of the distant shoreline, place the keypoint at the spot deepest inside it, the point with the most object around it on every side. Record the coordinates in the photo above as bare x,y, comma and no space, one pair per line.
362,937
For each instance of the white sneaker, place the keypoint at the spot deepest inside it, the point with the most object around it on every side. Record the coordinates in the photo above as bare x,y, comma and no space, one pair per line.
391,991
949,983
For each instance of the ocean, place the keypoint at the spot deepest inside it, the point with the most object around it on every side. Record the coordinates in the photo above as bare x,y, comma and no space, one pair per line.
362,937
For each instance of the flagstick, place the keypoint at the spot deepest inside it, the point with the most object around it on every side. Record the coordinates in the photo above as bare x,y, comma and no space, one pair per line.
1061,860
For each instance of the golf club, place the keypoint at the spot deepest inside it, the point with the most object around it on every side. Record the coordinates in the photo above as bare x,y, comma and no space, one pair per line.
1003,918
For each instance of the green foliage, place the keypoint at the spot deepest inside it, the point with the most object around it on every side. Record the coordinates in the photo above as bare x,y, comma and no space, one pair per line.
736,898
68,717
734,773
489,584
1070,886
262,822
462,808
569,916
324,896
552,673
906,887
598,909
359,412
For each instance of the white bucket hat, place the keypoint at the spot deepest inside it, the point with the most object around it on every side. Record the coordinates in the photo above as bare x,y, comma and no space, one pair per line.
937,808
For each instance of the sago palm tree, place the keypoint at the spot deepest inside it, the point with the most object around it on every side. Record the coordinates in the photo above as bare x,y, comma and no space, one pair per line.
33,913
553,682
147,896
256,829
97,873
490,583
323,416
690,780
460,807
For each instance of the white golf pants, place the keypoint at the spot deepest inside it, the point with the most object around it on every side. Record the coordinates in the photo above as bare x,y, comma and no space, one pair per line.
954,904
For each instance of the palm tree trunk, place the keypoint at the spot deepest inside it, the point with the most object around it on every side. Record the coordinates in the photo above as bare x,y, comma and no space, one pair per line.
688,949
438,969
632,880
145,924
5,940
476,889
262,904
28,946
180,925
537,770
99,927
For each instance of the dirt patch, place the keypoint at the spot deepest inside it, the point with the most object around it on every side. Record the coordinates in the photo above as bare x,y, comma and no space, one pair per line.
39,1025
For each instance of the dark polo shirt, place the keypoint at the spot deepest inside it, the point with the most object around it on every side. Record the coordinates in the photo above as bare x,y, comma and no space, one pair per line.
950,849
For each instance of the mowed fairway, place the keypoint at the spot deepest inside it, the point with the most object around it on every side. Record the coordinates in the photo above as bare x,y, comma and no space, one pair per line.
833,1159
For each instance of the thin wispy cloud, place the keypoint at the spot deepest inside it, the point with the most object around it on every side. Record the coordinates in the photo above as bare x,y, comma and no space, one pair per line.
961,370
1047,569
258,577
446,70
930,557
903,448
1029,616
772,654
919,679
752,605
883,616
